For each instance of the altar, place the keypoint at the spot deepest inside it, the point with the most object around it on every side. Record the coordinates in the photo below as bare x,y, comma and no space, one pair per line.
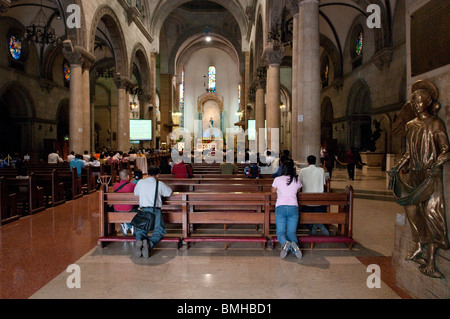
373,161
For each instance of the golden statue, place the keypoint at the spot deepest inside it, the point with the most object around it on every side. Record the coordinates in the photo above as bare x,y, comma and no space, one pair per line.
417,180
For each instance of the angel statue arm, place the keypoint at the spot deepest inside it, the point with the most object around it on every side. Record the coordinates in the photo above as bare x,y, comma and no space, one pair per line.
443,145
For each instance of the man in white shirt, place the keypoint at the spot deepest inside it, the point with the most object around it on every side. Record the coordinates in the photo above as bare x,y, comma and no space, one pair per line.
145,189
313,181
54,158
71,156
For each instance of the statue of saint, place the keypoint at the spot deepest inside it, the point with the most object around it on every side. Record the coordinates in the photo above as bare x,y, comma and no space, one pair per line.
417,181
211,123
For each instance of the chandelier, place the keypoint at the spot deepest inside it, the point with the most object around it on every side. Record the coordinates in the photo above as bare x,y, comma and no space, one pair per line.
39,31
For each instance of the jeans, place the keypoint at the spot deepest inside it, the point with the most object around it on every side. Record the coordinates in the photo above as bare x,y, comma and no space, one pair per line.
313,228
286,219
159,230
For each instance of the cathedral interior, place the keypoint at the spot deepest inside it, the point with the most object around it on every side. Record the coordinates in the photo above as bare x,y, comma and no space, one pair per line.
297,75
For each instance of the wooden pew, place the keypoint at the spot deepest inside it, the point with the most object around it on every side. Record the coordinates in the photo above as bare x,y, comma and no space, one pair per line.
72,184
243,208
53,187
30,197
172,208
88,180
229,209
8,204
343,218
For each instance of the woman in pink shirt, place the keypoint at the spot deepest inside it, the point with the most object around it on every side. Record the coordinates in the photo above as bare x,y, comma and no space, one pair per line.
286,212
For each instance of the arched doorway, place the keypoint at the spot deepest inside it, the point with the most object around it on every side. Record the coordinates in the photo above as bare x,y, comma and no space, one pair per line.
16,113
327,120
359,120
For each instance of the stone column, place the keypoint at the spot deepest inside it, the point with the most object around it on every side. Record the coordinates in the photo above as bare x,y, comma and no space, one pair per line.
294,151
76,57
260,115
274,56
153,94
123,112
308,83
246,87
87,128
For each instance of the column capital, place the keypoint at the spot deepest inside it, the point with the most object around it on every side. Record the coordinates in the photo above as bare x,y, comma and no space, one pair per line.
274,53
77,55
123,82
145,98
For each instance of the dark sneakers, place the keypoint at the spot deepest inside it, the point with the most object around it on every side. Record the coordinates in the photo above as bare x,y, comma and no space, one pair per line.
142,249
145,249
137,252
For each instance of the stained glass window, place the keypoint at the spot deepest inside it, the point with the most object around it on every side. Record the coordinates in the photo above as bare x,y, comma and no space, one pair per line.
182,91
212,79
239,95
66,72
15,47
359,44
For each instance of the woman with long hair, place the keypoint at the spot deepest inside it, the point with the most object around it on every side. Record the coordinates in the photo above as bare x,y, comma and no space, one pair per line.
287,187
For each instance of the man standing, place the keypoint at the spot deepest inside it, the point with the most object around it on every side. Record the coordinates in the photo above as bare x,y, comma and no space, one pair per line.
145,189
313,181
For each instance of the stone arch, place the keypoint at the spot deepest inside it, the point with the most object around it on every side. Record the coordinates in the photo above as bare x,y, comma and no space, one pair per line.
223,38
259,43
209,97
185,56
78,36
359,108
140,58
112,23
17,112
164,8
327,117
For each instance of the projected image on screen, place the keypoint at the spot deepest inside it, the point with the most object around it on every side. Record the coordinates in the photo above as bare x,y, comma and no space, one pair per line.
141,130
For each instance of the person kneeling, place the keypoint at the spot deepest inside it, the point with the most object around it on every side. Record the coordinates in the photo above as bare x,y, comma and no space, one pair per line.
149,190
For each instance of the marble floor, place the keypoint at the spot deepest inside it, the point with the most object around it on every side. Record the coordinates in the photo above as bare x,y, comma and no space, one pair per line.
36,252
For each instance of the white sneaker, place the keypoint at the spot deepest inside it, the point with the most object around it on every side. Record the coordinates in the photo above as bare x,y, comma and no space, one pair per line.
297,251
124,229
285,249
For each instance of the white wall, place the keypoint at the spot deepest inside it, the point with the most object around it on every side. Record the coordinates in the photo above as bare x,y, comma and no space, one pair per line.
227,79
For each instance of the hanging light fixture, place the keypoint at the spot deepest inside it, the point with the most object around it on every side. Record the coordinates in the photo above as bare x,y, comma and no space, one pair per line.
39,32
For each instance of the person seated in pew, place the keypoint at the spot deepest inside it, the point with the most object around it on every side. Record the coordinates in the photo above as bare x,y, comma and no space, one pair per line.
125,186
78,163
54,158
282,159
146,190
313,181
137,176
182,170
71,157
3,163
286,187
228,168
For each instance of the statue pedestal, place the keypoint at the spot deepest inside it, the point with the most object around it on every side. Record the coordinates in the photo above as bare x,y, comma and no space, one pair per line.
374,161
408,276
